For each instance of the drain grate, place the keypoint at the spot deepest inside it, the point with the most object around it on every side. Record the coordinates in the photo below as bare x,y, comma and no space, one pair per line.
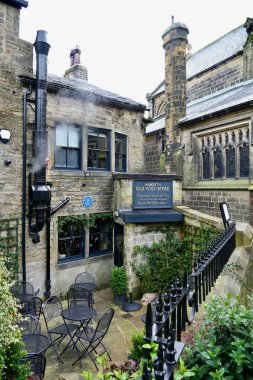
128,315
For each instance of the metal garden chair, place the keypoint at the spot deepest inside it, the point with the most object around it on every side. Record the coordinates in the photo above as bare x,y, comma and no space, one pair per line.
84,277
29,324
56,327
37,364
31,305
91,338
87,280
78,297
22,290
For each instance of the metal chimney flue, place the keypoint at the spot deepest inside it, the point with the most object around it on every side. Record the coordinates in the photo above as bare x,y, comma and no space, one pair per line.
40,194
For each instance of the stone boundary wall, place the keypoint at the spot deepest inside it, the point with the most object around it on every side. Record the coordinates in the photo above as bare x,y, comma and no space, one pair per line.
208,200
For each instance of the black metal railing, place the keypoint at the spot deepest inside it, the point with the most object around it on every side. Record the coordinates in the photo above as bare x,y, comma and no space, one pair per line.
169,316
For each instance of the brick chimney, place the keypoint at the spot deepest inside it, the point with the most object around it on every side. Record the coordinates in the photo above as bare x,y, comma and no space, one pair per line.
248,51
76,70
174,44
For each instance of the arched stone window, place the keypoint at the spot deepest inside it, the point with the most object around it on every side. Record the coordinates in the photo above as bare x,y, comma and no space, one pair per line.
225,154
244,159
217,161
206,163
230,162
160,109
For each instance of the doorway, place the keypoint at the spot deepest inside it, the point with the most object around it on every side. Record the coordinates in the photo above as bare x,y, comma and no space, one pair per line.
118,245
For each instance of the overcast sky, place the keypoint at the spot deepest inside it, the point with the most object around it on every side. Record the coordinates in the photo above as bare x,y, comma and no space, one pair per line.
120,40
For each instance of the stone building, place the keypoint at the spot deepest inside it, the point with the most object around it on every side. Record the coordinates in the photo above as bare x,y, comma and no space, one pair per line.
89,134
73,171
202,120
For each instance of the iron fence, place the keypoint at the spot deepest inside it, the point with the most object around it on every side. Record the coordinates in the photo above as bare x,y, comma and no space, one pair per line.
173,310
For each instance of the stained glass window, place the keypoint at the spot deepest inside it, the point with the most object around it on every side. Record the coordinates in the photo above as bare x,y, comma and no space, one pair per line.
206,164
244,160
225,154
230,162
217,155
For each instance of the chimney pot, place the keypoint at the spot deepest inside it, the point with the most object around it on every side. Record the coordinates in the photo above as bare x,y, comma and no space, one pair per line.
76,70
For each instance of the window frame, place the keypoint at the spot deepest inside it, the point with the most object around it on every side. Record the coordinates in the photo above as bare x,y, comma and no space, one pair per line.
81,237
108,151
121,137
101,252
85,238
67,148
223,140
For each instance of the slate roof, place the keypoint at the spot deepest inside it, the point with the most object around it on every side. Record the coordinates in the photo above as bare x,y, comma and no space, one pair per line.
159,89
156,125
93,92
237,96
214,53
218,51
16,3
83,89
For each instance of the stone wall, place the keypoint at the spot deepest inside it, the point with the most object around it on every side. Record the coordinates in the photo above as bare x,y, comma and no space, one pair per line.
211,81
16,58
76,184
123,190
153,153
135,235
208,200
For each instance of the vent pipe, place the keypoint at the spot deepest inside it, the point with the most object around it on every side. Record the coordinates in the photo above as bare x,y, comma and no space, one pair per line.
40,192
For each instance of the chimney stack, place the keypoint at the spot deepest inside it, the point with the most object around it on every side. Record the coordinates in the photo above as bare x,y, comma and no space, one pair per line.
174,44
76,70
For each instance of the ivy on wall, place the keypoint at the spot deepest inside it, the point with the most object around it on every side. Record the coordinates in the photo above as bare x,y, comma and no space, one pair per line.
171,256
9,244
88,220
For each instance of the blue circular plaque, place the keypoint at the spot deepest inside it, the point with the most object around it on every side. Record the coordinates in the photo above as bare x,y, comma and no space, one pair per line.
87,201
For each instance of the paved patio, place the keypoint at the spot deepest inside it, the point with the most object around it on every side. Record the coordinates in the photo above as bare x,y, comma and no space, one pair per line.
117,340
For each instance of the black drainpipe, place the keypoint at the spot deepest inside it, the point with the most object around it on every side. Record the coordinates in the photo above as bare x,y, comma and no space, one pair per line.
25,96
40,192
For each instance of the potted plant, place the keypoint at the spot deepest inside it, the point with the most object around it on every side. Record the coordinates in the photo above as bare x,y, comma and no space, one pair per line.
118,284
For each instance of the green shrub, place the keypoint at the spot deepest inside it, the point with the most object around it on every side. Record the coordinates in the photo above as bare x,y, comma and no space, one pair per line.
165,260
118,282
124,371
137,340
10,337
223,347
141,351
170,257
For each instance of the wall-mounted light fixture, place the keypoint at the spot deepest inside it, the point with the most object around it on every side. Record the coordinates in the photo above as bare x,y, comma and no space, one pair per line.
5,135
225,214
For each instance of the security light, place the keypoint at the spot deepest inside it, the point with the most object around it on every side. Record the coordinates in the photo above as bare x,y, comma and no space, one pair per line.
5,135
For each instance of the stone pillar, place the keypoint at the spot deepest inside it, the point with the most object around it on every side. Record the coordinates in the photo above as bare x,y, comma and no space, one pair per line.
248,51
174,44
76,70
